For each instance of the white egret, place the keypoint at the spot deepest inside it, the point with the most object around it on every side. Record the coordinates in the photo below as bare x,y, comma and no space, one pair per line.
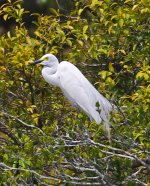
76,88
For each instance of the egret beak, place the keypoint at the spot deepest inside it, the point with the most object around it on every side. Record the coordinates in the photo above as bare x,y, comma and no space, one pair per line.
36,62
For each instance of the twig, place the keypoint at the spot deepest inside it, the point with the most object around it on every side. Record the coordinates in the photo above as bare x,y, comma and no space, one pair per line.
22,122
6,167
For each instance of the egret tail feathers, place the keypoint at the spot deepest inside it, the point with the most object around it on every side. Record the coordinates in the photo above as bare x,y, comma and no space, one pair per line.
106,124
106,128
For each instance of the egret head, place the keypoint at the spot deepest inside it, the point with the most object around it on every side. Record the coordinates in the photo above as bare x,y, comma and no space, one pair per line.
47,60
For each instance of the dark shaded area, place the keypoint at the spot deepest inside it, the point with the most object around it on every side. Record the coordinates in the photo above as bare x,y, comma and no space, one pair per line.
37,6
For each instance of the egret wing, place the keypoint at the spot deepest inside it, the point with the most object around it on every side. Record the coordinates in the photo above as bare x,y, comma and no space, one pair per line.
81,92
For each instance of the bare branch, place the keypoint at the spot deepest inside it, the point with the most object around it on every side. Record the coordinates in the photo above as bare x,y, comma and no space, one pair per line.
22,122
6,167
133,177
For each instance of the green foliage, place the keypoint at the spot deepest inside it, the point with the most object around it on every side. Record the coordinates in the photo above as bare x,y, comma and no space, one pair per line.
43,141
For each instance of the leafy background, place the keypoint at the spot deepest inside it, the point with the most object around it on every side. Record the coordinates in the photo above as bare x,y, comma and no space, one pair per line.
44,141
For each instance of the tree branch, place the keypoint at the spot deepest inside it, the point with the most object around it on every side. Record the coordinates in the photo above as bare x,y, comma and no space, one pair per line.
6,167
22,122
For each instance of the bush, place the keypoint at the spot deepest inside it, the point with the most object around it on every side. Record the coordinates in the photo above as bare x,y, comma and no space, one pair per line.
42,140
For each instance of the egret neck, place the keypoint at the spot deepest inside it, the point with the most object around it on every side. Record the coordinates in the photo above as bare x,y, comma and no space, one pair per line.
49,73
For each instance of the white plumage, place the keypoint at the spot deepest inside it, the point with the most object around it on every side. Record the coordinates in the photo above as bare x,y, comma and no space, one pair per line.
76,88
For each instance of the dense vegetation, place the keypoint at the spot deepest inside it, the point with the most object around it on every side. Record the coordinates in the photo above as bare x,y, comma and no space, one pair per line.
43,140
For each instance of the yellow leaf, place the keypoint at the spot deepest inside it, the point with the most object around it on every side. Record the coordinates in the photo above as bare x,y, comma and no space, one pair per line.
85,36
121,22
28,40
127,1
69,42
134,7
31,109
139,75
8,34
85,29
5,17
35,118
110,81
111,68
2,69
106,23
113,17
146,76
27,62
80,11
21,12
126,66
103,74
37,34
119,11
122,51
101,19
121,62
109,29
80,42
145,10
94,2
103,51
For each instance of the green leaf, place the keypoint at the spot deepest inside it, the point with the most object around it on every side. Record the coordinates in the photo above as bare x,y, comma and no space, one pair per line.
53,11
21,163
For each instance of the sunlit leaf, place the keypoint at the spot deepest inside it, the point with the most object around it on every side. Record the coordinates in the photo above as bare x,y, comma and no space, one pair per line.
5,17
121,22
